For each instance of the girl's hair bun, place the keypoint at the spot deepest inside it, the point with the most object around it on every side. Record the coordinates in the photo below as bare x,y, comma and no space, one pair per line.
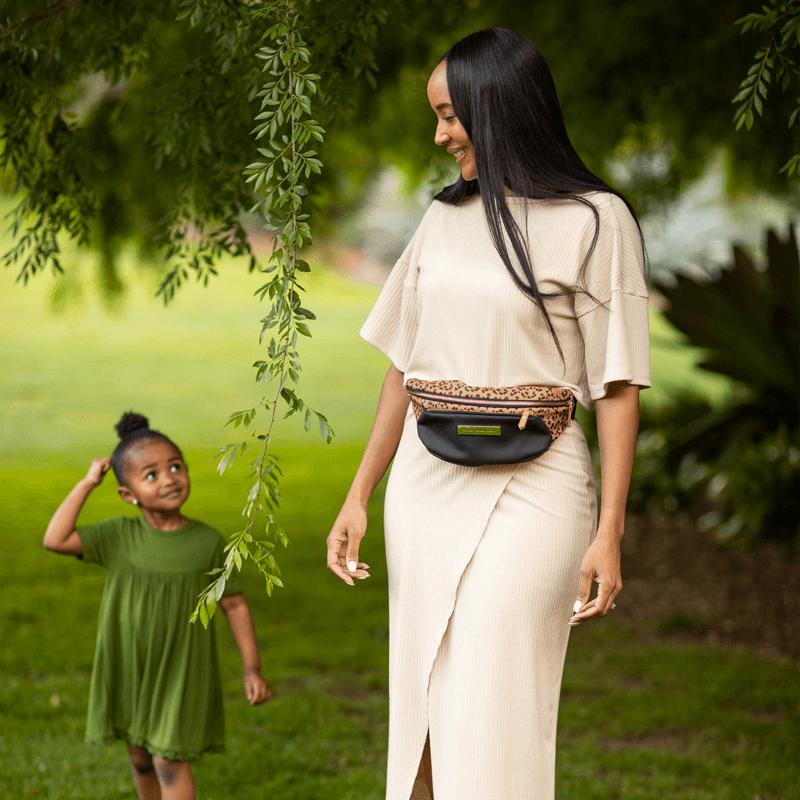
133,429
130,422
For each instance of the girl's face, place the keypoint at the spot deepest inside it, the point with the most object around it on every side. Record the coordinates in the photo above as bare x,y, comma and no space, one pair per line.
449,131
155,476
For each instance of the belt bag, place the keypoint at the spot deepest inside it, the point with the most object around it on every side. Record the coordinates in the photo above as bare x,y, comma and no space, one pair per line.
479,425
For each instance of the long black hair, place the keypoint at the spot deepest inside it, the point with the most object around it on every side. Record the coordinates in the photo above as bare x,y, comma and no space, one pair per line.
504,96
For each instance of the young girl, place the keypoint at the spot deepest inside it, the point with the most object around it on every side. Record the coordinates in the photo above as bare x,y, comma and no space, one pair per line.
155,680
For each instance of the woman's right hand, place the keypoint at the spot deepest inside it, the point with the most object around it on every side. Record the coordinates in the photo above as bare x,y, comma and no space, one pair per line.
343,541
97,470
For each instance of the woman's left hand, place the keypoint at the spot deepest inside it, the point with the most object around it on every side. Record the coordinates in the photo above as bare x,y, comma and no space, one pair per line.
601,563
256,689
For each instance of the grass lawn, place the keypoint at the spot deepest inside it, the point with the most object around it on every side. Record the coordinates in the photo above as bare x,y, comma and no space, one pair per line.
671,721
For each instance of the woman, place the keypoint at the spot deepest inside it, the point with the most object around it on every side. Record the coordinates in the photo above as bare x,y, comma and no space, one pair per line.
527,270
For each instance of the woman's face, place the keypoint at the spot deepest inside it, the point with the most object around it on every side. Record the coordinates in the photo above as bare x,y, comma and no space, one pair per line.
449,131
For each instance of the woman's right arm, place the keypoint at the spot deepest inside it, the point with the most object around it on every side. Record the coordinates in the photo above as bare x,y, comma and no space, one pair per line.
350,526
61,536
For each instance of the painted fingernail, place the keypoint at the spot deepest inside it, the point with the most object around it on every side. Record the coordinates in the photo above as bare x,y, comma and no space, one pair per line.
351,565
577,605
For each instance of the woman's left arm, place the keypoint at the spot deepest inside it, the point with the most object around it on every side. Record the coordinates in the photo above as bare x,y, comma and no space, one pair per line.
617,430
240,621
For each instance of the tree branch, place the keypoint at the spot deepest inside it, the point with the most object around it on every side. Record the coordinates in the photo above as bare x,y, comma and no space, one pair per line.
50,12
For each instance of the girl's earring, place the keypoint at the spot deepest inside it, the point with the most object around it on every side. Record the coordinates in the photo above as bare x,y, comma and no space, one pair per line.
136,502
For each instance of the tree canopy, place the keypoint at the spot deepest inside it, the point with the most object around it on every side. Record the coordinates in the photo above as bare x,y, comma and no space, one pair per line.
135,121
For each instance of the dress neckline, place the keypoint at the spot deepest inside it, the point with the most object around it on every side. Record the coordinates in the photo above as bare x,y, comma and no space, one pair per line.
174,531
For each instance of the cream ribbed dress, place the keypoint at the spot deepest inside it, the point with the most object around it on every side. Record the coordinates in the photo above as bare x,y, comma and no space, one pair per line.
483,561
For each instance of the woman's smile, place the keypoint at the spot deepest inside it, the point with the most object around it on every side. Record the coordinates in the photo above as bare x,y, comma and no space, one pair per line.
449,130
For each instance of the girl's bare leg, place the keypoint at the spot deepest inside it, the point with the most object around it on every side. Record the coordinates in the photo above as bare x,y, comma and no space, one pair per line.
144,773
175,779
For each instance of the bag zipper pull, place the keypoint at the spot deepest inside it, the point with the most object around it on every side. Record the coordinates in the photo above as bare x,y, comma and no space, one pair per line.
523,421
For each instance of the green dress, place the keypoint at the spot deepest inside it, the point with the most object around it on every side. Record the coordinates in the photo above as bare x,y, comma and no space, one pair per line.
156,678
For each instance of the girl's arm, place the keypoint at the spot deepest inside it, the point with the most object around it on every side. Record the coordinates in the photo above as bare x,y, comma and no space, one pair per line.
350,526
240,621
617,430
61,536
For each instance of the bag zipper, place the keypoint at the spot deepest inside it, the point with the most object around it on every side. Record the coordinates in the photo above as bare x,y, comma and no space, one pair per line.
462,401
465,401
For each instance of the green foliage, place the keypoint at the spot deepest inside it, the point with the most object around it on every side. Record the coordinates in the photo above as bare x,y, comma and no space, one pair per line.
130,120
754,488
285,122
780,56
748,322
664,477
737,466
741,491
76,89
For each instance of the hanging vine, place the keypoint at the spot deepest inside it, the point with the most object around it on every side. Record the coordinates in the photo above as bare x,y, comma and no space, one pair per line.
778,57
285,123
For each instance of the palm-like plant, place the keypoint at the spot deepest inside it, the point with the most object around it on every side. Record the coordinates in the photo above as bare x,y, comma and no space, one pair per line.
739,465
748,323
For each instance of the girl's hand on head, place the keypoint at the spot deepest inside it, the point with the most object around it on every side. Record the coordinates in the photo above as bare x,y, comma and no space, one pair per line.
256,689
98,469
343,541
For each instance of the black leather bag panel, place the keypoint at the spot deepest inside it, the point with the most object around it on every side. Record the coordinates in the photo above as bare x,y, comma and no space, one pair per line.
479,439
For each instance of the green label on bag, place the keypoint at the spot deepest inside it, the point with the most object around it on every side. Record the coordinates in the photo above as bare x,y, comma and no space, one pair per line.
479,430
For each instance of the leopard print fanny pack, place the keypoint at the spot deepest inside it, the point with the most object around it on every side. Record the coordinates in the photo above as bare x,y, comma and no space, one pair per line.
484,425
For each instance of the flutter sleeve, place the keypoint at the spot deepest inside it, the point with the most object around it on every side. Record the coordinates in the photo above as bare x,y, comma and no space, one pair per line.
615,335
391,324
100,541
